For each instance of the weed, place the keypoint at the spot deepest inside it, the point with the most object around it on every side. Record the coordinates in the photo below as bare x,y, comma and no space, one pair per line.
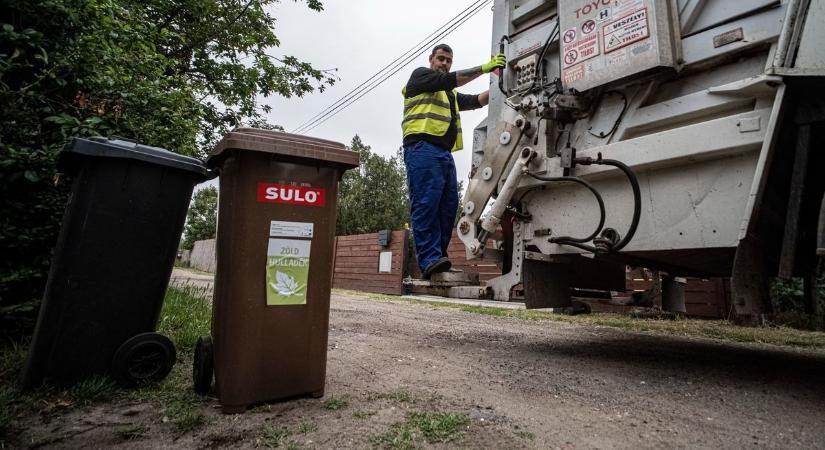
420,429
526,435
307,427
132,432
187,420
273,437
438,427
363,414
94,390
265,408
334,404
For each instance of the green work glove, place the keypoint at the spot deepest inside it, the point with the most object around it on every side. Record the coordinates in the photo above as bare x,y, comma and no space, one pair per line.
498,62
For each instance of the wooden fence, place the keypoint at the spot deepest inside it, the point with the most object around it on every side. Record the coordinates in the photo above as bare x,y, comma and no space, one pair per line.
358,263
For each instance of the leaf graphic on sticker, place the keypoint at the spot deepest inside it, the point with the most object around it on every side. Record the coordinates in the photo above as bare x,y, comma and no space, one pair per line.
285,285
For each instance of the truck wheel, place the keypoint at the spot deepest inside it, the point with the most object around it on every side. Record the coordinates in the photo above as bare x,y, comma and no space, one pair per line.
202,367
143,358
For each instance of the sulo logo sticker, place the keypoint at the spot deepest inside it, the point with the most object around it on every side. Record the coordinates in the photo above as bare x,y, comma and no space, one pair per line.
293,195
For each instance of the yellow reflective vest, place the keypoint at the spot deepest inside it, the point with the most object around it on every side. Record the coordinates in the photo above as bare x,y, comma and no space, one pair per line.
429,113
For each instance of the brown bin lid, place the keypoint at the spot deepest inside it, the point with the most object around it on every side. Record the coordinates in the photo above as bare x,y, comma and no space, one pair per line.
286,144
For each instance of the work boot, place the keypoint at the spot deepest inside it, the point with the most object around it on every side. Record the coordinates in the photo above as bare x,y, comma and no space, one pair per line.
437,266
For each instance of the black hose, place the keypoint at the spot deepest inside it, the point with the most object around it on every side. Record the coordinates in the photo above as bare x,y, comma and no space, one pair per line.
501,72
569,239
637,195
540,63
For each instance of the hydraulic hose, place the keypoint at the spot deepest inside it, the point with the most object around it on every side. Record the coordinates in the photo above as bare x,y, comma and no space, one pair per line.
569,239
501,41
637,194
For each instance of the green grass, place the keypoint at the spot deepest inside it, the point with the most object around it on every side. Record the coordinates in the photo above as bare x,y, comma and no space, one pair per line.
7,398
526,435
307,427
133,432
399,396
694,328
421,429
178,403
185,317
360,414
92,391
334,404
273,437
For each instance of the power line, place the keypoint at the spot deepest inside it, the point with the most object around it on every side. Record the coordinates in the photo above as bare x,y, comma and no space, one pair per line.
357,93
387,67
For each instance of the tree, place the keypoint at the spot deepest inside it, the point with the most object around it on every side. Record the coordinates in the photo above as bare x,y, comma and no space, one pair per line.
374,196
202,217
152,70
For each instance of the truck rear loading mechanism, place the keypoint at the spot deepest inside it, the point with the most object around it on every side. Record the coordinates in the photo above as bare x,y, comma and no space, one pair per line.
676,135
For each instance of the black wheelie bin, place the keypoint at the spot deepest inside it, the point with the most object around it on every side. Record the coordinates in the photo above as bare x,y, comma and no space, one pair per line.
112,263
275,249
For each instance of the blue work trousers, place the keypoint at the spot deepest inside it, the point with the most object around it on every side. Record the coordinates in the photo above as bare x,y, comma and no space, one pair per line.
433,199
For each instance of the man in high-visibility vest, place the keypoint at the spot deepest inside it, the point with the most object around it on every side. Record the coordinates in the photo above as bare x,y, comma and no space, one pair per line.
432,130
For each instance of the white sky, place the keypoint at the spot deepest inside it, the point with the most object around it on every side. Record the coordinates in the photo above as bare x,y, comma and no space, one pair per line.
359,37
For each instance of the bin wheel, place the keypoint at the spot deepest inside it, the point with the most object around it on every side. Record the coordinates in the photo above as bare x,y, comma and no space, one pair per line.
202,367
577,307
143,358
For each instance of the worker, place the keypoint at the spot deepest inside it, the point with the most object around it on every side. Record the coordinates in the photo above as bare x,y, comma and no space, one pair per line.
432,130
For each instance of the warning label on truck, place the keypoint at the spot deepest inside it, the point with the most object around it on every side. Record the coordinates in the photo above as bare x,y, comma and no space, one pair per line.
580,44
625,30
581,50
287,271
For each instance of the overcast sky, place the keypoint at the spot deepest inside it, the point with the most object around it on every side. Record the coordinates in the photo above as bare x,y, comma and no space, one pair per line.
359,37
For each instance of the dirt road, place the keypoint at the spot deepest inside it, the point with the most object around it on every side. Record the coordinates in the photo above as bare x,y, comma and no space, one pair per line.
521,384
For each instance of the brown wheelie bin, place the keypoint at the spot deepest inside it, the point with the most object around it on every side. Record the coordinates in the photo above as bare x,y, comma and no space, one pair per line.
275,248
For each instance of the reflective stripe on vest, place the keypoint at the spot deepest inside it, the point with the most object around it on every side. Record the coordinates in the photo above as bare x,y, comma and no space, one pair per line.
429,113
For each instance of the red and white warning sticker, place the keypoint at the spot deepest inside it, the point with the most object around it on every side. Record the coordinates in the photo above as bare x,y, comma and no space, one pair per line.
585,48
575,51
625,30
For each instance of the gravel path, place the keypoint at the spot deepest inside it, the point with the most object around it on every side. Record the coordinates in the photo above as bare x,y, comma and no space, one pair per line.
522,384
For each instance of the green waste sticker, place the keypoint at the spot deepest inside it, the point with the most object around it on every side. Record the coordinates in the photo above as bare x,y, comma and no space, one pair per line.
287,271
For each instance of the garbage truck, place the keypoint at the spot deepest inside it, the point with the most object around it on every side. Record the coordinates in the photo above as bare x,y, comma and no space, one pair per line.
684,136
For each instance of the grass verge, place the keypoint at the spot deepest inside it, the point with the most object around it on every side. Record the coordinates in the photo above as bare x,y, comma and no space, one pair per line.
695,328
185,316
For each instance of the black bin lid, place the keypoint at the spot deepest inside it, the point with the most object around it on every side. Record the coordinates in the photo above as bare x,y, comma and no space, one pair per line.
118,148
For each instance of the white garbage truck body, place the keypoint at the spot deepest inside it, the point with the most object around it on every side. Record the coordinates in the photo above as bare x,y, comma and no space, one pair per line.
677,135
